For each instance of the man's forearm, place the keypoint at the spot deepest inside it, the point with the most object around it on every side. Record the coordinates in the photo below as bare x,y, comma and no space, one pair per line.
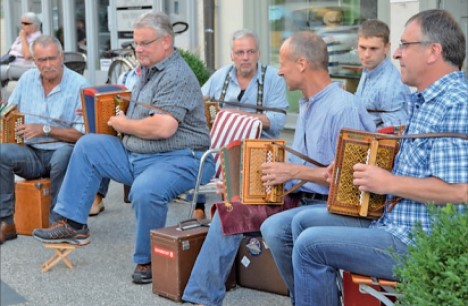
430,189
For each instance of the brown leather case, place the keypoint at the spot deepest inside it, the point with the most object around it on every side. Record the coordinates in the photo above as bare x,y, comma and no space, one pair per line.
256,268
173,254
32,205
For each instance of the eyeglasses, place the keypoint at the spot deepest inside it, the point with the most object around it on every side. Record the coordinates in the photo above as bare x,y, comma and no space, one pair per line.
404,44
241,53
43,60
144,44
26,23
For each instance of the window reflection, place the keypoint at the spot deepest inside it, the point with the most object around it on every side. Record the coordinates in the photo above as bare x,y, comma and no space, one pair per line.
337,22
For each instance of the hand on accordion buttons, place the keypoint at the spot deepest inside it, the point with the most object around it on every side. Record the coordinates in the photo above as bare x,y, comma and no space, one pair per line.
29,131
328,173
372,178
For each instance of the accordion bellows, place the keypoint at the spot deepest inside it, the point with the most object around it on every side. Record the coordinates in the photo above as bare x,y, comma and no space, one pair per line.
99,105
356,147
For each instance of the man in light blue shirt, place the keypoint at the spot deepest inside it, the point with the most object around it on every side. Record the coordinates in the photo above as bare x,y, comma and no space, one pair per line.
324,109
249,82
380,87
48,97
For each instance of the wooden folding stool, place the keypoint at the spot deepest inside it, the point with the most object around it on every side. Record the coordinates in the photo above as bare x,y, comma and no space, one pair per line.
62,250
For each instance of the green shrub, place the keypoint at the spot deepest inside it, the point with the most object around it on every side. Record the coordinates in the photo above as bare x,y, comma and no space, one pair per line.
435,272
197,65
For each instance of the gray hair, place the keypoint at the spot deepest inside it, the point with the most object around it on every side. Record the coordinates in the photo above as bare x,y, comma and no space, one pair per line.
158,21
34,19
242,34
438,26
309,46
46,40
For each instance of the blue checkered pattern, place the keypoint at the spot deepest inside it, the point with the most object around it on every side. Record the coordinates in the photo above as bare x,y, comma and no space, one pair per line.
442,107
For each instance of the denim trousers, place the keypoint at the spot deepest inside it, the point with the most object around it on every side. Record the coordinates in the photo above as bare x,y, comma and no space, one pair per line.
155,179
317,244
206,284
30,163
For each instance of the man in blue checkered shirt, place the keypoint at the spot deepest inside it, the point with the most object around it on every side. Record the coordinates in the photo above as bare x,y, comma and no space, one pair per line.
431,53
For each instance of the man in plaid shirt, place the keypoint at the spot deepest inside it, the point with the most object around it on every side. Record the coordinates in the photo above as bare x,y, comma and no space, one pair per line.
427,170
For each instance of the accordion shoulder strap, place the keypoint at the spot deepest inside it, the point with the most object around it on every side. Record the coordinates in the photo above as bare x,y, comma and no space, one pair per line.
426,135
299,154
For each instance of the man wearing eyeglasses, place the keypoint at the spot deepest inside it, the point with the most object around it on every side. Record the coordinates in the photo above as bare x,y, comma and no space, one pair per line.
19,56
380,87
426,170
165,135
48,97
249,82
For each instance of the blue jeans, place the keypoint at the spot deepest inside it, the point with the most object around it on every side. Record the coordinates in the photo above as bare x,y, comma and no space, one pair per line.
277,233
156,179
30,163
206,284
325,243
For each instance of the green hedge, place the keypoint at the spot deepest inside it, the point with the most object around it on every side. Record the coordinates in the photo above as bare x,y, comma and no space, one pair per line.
197,65
436,270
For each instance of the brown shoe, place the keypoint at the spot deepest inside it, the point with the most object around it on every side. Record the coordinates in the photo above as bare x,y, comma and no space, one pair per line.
98,206
199,214
7,232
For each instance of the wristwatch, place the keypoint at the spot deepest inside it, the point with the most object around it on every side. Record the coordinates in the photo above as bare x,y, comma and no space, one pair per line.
46,129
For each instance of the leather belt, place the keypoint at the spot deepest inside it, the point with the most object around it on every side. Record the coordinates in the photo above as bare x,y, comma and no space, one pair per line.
312,196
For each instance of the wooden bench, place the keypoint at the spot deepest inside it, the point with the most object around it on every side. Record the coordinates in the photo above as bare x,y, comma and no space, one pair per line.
62,250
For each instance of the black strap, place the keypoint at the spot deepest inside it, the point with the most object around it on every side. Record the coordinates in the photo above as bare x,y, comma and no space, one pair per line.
264,108
260,85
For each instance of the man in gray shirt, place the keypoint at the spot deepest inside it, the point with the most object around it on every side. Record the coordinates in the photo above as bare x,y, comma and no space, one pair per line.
165,135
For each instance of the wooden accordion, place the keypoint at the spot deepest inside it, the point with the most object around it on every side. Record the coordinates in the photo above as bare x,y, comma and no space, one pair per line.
99,104
9,120
359,147
241,162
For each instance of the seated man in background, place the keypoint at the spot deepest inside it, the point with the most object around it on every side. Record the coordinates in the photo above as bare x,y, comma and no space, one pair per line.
48,97
426,170
20,49
325,108
247,81
380,87
165,135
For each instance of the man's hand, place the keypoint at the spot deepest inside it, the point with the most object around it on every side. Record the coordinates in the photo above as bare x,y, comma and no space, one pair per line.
29,131
118,122
371,178
328,173
276,173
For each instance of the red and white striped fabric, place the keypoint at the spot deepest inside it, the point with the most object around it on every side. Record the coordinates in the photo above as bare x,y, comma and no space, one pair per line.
228,127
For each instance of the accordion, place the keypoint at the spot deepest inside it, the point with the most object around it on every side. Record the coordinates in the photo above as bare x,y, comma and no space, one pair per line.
99,104
241,168
359,147
211,109
9,120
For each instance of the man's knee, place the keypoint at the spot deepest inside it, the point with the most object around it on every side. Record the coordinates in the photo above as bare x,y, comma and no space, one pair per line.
9,153
60,158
